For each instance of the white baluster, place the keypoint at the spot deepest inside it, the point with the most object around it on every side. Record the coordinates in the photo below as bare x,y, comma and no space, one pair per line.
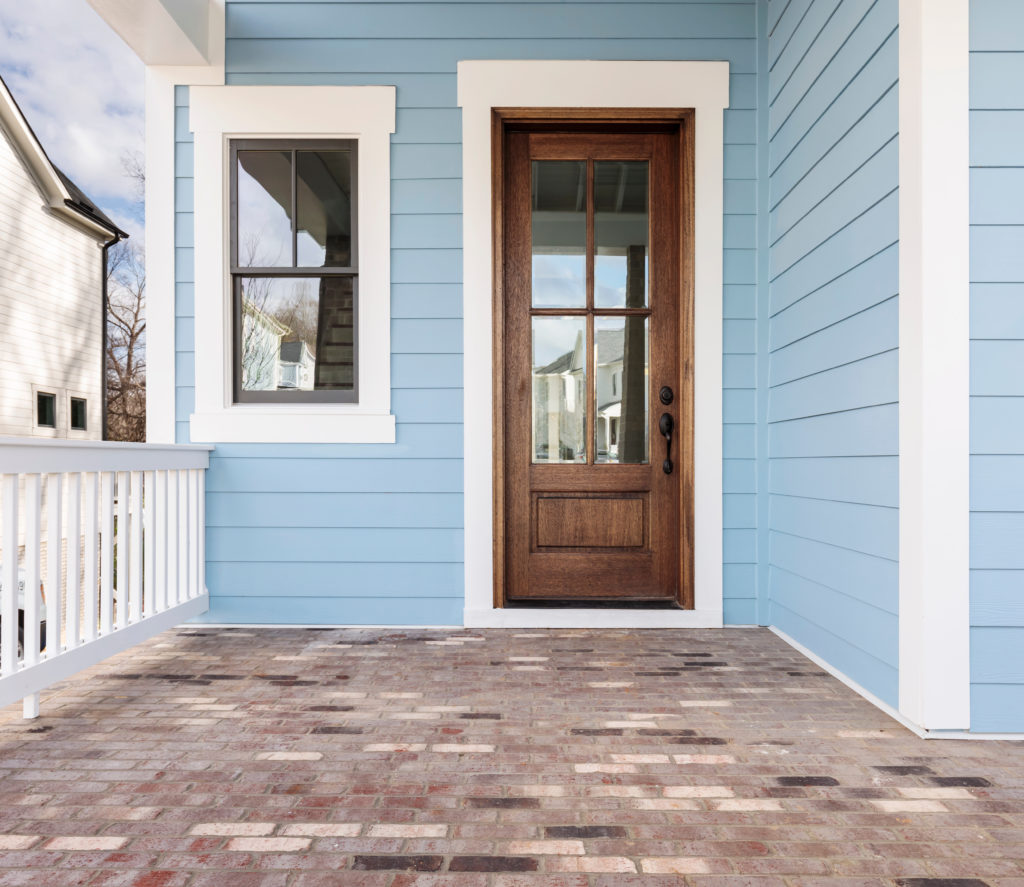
183,537
201,498
54,586
90,609
9,577
160,506
74,561
123,555
33,506
135,519
148,543
193,533
172,538
107,552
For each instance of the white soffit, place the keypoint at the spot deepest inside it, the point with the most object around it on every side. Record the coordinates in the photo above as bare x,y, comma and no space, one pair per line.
163,32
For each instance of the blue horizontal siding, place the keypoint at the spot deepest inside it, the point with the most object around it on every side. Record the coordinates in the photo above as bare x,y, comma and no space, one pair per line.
322,606
372,533
997,351
832,368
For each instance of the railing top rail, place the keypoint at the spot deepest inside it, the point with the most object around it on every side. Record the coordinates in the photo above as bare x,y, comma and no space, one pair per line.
26,455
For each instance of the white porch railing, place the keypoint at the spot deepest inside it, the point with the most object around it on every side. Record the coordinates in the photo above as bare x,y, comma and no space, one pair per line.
102,545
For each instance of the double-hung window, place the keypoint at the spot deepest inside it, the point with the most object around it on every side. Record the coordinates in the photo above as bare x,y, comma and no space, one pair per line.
292,263
294,271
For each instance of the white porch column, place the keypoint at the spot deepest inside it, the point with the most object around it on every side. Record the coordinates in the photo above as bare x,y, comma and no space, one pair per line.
934,364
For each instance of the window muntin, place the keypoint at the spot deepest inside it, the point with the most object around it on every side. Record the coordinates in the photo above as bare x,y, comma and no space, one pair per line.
78,413
294,271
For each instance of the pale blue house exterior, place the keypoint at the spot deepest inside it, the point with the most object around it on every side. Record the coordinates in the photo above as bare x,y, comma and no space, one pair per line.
826,536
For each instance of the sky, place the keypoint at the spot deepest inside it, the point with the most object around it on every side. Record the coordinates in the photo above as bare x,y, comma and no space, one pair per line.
82,91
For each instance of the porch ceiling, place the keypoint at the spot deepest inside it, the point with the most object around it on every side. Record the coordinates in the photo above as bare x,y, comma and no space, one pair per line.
293,757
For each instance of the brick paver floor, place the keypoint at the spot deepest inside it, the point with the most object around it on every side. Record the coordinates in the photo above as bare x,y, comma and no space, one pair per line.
304,758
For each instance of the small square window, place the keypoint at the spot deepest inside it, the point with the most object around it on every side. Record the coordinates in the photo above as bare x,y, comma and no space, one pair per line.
294,271
46,410
79,412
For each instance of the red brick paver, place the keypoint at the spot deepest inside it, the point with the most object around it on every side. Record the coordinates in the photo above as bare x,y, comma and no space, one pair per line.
302,758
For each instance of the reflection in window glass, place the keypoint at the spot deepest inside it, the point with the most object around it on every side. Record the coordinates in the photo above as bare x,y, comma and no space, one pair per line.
79,411
324,186
559,225
620,234
297,333
46,410
620,375
559,360
264,225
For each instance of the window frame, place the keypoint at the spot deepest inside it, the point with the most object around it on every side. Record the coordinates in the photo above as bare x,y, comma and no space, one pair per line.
71,412
216,115
239,272
40,393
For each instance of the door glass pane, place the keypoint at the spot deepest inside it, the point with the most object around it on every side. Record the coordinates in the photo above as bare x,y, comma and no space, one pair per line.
559,360
297,333
620,234
620,374
559,224
264,209
324,183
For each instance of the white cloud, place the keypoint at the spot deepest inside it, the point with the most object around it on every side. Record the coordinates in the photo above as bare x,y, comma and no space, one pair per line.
82,91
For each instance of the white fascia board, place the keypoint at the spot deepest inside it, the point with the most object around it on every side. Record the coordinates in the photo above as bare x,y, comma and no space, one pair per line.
27,145
934,364
164,32
485,85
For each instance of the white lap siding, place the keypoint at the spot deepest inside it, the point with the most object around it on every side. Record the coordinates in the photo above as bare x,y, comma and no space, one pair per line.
51,333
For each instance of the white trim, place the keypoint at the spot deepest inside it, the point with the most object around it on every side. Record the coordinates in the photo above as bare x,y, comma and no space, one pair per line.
220,113
160,240
164,32
484,85
853,685
69,663
27,455
934,364
543,617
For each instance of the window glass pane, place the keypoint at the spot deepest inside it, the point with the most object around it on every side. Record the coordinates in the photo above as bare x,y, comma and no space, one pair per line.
559,222
325,209
297,334
46,410
620,374
559,389
264,226
620,234
78,413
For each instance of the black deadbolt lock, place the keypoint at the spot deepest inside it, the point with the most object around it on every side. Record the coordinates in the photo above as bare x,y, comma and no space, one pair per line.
665,395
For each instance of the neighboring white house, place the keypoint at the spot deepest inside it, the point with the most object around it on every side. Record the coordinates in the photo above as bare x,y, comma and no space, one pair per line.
52,259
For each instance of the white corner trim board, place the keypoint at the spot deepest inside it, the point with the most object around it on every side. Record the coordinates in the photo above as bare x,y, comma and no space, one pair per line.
160,240
221,113
934,364
485,85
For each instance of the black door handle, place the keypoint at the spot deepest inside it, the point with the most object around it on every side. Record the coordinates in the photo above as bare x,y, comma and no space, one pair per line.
665,425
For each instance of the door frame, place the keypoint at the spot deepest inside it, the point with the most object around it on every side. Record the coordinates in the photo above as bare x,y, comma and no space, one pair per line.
620,120
698,87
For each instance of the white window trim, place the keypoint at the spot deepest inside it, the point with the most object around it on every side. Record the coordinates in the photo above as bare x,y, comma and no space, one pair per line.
934,364
483,86
91,416
220,113
58,430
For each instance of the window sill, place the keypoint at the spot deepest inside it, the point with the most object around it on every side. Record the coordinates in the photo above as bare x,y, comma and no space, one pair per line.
343,423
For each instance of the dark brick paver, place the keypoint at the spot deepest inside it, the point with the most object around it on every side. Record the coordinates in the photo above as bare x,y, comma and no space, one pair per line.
387,758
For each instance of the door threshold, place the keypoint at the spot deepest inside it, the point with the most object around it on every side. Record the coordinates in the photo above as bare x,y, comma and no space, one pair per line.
592,605
590,617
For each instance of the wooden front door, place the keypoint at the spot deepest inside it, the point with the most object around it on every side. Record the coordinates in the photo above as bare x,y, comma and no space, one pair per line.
596,350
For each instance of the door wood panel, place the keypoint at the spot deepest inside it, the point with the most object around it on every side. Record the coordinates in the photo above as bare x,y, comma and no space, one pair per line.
571,522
